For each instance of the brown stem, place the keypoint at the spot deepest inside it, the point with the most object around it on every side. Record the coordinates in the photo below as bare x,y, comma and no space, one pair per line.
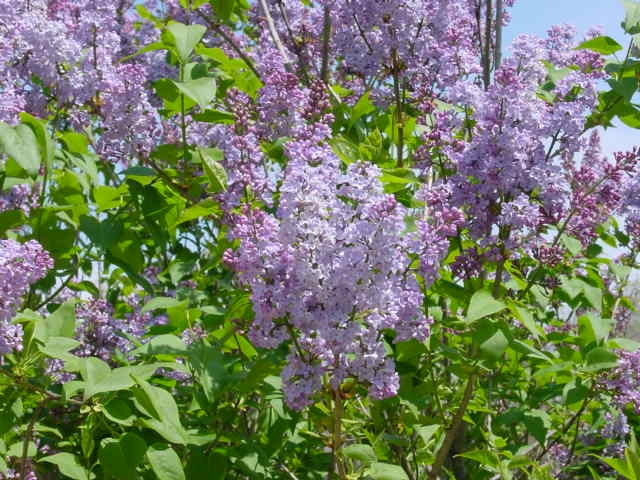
486,70
234,46
451,434
27,438
399,108
337,467
499,20
273,31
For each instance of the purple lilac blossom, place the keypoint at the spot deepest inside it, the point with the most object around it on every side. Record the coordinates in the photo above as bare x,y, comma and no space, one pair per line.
329,271
623,382
21,265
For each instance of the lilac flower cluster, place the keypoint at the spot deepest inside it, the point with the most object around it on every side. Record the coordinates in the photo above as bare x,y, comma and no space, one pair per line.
599,188
623,382
64,56
21,265
19,197
102,334
329,271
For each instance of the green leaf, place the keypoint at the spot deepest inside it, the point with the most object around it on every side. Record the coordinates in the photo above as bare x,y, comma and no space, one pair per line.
427,432
102,233
537,423
61,323
482,305
594,328
161,407
118,379
162,303
21,144
631,22
214,170
185,38
120,458
58,347
164,462
386,471
118,411
525,317
361,452
201,90
601,357
483,457
69,465
362,107
604,45
619,466
209,369
214,116
45,143
206,208
491,340
223,8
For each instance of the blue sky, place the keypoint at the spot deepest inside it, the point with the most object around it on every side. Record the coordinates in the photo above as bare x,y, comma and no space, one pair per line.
536,16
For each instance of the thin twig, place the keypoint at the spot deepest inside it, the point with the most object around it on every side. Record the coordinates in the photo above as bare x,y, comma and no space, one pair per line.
273,31
449,438
499,20
234,46
486,67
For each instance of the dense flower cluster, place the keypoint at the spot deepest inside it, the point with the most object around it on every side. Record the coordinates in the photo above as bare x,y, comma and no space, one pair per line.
19,197
64,56
624,380
506,173
329,271
21,265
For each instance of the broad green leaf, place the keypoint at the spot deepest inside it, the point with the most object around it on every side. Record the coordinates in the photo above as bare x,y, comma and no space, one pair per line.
386,471
223,8
619,466
21,144
594,328
185,38
525,317
362,107
482,305
160,406
165,462
45,143
604,45
162,303
214,170
631,22
491,340
601,357
206,208
69,465
57,346
103,233
120,458
201,90
483,457
118,411
214,116
61,323
361,452
537,423
119,379
209,369
427,432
